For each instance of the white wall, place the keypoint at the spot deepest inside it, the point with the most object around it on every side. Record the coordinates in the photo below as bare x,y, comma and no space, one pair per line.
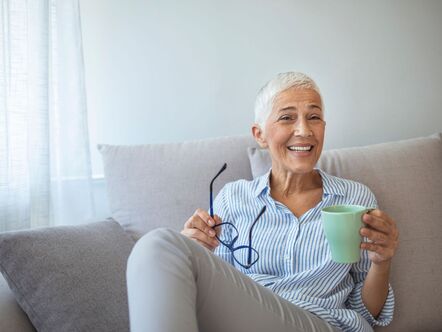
173,70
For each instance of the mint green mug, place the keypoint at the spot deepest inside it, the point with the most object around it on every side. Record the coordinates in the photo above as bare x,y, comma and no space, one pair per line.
341,225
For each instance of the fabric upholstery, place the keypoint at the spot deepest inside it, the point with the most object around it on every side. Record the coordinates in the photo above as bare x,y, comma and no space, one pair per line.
172,180
159,185
12,318
406,178
69,278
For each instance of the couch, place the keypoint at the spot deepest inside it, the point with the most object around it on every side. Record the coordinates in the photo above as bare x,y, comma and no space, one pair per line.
161,185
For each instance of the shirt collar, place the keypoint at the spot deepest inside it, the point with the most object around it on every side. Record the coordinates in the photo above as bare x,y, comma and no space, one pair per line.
330,184
263,183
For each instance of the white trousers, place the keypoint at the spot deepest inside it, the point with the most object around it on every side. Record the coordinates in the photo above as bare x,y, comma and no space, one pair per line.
177,285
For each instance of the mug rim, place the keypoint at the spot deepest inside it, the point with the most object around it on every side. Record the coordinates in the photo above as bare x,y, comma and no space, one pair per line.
361,208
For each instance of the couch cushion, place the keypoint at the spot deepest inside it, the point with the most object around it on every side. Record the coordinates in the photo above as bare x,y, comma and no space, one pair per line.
12,317
162,185
69,278
406,177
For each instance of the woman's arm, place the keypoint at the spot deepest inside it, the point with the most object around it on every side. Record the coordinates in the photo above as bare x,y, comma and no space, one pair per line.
382,232
375,289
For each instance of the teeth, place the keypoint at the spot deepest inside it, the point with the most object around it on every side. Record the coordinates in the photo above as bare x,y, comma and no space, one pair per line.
300,148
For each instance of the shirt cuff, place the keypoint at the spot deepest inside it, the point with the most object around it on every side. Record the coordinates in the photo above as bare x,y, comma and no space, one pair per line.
385,316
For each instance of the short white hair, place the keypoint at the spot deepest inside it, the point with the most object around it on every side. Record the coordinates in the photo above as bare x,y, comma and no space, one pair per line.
268,93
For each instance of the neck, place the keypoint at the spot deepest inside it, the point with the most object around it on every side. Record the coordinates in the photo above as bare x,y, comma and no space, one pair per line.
286,183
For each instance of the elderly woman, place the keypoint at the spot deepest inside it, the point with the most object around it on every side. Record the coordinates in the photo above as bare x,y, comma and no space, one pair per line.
211,278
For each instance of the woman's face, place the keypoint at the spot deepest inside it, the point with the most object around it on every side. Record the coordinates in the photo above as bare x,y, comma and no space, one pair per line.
294,131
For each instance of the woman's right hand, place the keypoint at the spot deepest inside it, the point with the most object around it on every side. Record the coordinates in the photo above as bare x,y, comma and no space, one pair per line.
199,228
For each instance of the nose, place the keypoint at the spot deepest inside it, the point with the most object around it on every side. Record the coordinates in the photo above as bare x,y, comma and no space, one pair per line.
302,128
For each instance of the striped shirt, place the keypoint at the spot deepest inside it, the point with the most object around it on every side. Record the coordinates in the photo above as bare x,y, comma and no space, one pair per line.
295,260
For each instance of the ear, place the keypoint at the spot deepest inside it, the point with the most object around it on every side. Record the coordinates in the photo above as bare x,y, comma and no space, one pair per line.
259,136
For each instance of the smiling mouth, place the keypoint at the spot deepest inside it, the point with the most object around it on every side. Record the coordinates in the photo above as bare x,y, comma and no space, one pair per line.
295,148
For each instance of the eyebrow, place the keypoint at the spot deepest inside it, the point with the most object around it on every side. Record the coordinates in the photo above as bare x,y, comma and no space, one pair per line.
292,108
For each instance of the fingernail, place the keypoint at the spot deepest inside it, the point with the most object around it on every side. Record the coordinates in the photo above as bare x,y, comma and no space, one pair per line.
212,232
211,222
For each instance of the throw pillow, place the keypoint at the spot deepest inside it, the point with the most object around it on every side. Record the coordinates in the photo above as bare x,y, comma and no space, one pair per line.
69,278
406,178
161,185
260,161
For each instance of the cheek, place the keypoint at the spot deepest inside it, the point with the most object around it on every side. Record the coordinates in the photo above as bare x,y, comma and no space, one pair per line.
320,146
320,133
276,134
279,139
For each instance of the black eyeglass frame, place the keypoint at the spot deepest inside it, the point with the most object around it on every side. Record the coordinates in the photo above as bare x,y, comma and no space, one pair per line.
231,245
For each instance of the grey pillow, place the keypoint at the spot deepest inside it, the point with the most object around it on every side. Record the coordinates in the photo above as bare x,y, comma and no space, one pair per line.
260,160
161,185
406,177
69,278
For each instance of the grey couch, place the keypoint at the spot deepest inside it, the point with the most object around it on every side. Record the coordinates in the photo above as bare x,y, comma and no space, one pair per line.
161,185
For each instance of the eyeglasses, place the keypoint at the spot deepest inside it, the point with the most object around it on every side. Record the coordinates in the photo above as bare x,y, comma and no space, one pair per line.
244,255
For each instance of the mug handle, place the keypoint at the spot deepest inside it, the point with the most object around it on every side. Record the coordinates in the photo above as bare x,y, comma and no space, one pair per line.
368,210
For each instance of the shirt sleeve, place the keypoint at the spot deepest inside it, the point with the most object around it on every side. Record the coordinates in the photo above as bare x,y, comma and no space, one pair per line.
359,273
221,208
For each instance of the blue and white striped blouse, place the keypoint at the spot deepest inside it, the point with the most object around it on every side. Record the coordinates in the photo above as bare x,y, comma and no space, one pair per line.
295,260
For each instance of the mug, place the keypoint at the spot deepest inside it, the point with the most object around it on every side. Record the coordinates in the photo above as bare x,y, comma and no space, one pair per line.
341,225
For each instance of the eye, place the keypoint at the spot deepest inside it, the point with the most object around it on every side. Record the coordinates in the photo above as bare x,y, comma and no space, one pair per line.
315,117
285,118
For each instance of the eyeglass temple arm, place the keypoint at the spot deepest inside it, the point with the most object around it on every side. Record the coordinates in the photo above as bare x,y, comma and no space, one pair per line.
249,257
211,187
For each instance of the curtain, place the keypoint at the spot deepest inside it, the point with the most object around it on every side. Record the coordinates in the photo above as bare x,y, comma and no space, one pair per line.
45,166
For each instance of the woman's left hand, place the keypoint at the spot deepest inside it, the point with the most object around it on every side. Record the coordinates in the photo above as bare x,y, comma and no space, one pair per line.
381,230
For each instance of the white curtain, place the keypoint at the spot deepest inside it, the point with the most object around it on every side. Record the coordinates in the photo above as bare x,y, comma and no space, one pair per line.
45,167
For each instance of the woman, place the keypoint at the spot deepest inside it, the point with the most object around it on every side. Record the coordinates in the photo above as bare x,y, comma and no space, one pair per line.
176,284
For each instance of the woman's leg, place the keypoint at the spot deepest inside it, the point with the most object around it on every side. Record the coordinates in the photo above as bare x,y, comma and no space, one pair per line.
175,284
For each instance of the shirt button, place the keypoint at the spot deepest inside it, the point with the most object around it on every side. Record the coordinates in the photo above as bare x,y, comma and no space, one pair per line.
287,257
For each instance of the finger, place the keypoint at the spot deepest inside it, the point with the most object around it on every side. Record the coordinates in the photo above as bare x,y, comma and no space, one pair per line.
375,236
377,223
196,234
380,250
383,215
204,215
217,221
197,222
205,245
188,223
387,226
376,212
